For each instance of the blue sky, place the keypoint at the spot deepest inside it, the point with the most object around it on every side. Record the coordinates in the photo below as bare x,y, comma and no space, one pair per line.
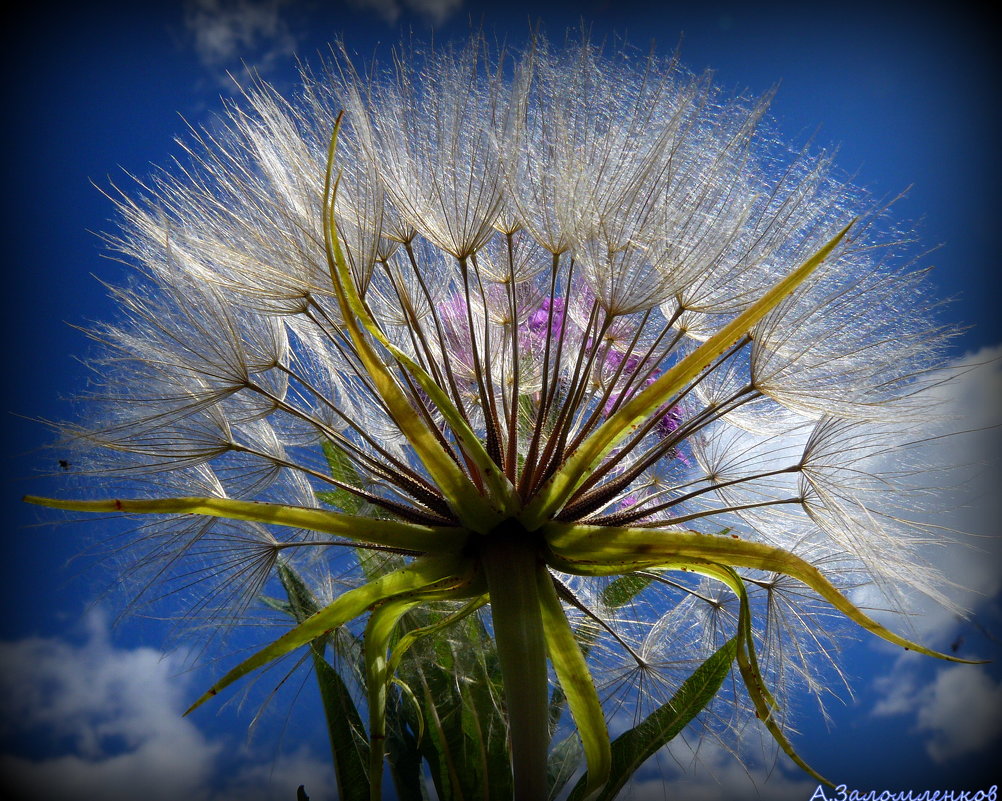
908,95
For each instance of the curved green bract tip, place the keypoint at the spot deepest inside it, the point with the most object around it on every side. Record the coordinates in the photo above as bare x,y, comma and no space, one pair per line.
747,659
408,639
607,550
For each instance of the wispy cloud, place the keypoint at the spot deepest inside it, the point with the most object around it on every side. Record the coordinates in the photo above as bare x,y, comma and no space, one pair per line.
706,771
229,33
115,711
105,722
973,555
960,711
435,11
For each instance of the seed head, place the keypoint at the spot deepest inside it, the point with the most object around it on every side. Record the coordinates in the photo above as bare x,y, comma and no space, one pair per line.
570,312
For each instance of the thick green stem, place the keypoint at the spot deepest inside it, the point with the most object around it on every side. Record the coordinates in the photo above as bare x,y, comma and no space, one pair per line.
511,562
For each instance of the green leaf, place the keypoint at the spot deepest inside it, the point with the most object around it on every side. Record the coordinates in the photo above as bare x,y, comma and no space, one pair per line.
404,758
485,734
466,741
443,745
349,744
636,411
341,469
414,634
407,694
348,740
301,603
623,590
277,604
632,748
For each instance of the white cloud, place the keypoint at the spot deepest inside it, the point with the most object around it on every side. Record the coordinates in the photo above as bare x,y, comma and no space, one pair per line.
975,400
706,771
961,709
898,691
968,548
115,710
226,33
109,722
436,11
231,35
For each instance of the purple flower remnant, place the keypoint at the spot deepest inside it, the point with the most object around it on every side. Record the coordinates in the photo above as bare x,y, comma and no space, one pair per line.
667,424
537,320
614,358
627,502
671,417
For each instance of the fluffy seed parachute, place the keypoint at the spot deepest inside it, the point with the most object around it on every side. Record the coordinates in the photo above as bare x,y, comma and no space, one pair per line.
566,360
